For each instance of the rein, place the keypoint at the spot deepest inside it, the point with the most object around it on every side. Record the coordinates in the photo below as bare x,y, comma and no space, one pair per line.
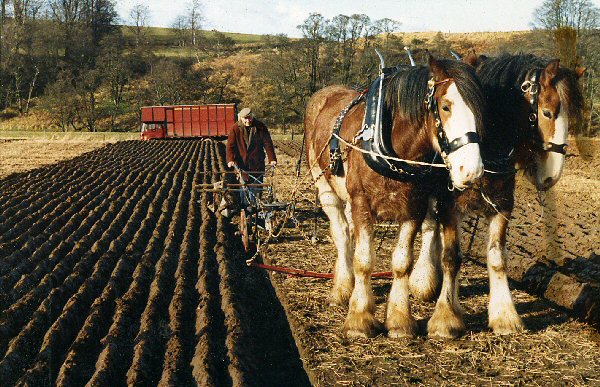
532,86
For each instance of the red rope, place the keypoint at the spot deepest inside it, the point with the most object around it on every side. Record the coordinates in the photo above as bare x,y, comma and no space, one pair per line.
311,274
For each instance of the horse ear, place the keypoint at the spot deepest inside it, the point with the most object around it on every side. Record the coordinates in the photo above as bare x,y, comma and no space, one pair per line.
579,70
552,68
437,69
471,59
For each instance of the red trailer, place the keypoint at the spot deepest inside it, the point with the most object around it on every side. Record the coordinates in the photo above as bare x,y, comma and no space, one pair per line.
187,121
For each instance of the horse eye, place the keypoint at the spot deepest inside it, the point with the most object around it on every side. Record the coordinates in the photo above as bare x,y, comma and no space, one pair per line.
446,108
547,114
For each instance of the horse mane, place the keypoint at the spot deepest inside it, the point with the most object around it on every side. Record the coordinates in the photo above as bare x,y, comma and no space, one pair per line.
502,78
570,92
405,91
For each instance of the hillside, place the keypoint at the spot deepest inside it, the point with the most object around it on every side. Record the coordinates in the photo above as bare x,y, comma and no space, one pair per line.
270,73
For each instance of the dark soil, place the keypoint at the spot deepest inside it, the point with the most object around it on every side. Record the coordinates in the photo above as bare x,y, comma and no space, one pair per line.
114,272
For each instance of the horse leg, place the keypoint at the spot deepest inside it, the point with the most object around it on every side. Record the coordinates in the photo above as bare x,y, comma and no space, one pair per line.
360,321
426,275
399,321
503,317
447,320
343,277
348,213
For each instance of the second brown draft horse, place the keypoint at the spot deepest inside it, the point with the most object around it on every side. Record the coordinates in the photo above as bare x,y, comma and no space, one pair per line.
532,102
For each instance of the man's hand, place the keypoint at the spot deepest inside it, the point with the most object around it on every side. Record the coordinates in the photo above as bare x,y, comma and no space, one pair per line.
231,164
273,163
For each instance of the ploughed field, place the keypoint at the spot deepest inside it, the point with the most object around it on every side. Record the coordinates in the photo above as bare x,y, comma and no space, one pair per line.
113,271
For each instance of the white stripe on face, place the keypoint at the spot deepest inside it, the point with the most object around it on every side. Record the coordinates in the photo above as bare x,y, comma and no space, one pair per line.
466,162
550,167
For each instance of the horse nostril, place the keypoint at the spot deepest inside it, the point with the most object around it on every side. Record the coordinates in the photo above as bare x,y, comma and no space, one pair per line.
548,181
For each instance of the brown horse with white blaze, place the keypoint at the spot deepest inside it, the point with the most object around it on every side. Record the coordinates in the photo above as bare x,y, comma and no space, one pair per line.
532,103
355,199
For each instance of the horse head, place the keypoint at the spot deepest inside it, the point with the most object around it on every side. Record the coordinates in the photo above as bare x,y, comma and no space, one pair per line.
455,101
556,104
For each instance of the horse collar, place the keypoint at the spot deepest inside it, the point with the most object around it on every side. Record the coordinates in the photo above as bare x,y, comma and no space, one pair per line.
375,137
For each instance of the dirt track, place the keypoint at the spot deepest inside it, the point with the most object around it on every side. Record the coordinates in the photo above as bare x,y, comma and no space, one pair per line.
113,272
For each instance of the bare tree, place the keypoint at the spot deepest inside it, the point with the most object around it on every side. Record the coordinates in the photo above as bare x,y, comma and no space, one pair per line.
139,15
2,22
387,26
179,27
579,15
20,59
569,23
194,19
313,30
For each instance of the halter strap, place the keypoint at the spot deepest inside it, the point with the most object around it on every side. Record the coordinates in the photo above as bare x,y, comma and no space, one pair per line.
467,138
556,148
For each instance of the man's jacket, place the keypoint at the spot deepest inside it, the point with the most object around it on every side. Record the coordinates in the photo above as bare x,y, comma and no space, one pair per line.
251,156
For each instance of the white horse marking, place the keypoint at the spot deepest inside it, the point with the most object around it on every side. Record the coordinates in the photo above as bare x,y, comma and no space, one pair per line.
466,163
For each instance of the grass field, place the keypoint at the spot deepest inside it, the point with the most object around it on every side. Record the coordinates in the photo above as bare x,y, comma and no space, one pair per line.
67,136
166,36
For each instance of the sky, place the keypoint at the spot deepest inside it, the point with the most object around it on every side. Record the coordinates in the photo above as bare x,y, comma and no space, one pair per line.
283,16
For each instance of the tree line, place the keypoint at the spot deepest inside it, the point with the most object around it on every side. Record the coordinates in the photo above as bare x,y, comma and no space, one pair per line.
72,61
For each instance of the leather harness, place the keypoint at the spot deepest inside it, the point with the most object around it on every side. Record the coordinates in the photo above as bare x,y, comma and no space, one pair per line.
376,136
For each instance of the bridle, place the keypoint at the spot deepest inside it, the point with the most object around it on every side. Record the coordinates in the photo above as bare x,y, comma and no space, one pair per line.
446,145
532,86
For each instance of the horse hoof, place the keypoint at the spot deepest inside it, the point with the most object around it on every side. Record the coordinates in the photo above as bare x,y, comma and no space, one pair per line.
361,325
446,333
446,325
340,297
507,326
401,326
352,334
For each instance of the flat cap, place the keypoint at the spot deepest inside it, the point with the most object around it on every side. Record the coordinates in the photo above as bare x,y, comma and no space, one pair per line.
244,112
